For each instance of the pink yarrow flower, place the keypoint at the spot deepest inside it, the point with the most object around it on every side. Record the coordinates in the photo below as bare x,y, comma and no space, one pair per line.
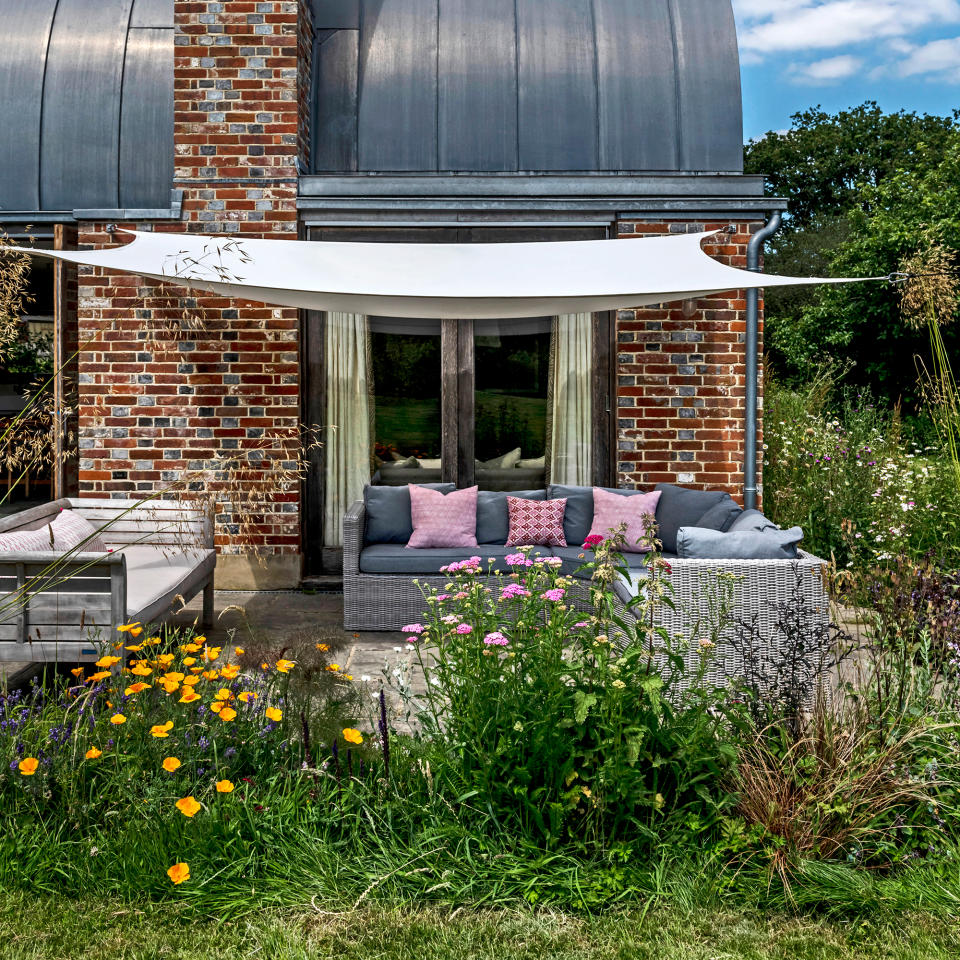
413,628
512,590
555,595
495,639
464,628
518,560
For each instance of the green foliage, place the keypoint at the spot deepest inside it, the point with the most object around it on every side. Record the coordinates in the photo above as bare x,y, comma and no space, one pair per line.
847,472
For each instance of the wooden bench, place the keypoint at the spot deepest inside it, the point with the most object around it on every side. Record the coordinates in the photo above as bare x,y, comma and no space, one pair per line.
63,607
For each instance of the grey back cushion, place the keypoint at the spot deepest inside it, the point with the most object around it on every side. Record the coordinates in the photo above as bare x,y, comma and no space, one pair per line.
722,515
752,520
578,517
700,543
681,507
388,512
493,520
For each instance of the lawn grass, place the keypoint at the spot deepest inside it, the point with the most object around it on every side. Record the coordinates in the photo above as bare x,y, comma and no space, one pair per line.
43,928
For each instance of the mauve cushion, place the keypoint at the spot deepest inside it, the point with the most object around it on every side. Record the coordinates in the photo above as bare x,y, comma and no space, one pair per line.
68,531
722,515
639,514
388,512
535,522
699,543
681,507
578,519
493,521
443,519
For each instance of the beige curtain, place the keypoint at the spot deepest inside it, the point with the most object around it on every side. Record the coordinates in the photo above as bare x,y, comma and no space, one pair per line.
347,434
571,426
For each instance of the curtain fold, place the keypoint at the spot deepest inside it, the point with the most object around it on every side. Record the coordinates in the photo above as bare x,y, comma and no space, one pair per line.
347,432
571,413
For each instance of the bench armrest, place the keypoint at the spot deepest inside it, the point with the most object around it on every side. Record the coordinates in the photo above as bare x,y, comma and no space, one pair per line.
354,524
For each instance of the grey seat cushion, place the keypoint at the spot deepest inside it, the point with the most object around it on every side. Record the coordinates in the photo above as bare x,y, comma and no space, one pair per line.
681,507
401,476
388,512
722,515
155,576
578,517
493,520
393,558
699,543
572,561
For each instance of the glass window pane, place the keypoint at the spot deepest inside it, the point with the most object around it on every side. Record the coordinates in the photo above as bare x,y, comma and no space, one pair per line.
512,380
406,400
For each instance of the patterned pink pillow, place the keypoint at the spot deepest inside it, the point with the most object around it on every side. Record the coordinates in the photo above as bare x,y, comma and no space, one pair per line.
67,531
443,520
536,522
612,509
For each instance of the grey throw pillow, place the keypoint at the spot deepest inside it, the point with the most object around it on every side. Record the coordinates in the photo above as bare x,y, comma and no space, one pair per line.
504,462
402,464
721,515
699,543
682,507
751,520
493,520
388,512
534,463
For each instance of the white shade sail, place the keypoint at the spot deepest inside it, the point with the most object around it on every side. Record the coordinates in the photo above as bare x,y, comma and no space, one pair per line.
434,280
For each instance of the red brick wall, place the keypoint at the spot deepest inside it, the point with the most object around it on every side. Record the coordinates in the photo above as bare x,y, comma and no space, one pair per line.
680,371
158,403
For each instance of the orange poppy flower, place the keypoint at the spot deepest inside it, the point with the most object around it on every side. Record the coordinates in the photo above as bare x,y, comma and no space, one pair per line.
118,718
272,713
188,806
352,736
170,764
229,671
28,766
246,696
224,786
161,730
136,688
227,714
178,873
189,696
285,666
93,753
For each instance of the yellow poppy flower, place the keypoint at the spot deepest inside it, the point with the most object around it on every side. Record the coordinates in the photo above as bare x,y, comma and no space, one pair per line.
346,676
128,627
211,674
323,647
274,714
189,661
153,641
195,669
136,688
178,873
199,641
246,696
136,648
223,694
352,736
173,676
224,786
28,766
189,696
170,764
77,671
285,666
229,671
98,676
161,730
227,714
211,653
239,651
170,686
217,706
191,681
264,666
118,718
333,667
165,659
191,647
188,806
93,753
141,670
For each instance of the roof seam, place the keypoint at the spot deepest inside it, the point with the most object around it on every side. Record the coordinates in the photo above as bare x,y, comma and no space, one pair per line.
43,92
123,74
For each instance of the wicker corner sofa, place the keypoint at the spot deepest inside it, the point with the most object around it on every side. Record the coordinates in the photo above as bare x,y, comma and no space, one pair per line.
61,607
761,591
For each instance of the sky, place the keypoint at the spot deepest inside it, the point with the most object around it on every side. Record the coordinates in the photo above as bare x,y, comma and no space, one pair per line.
794,54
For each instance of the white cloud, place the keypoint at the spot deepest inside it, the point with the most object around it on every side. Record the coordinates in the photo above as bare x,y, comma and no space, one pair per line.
826,71
772,26
937,59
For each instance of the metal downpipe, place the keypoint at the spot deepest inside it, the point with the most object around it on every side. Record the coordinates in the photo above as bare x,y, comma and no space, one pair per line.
750,452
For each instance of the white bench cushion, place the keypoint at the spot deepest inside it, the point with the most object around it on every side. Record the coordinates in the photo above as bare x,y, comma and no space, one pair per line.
155,575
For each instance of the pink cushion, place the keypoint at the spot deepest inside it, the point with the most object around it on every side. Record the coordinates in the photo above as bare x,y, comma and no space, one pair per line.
536,522
67,531
443,520
612,509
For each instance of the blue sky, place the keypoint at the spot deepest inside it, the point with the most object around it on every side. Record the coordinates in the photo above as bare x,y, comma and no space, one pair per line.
838,53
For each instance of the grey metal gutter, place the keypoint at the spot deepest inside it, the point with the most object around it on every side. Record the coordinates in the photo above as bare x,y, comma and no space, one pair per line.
750,451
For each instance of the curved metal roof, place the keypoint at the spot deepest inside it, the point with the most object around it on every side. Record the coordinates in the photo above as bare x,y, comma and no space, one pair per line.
86,104
526,86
